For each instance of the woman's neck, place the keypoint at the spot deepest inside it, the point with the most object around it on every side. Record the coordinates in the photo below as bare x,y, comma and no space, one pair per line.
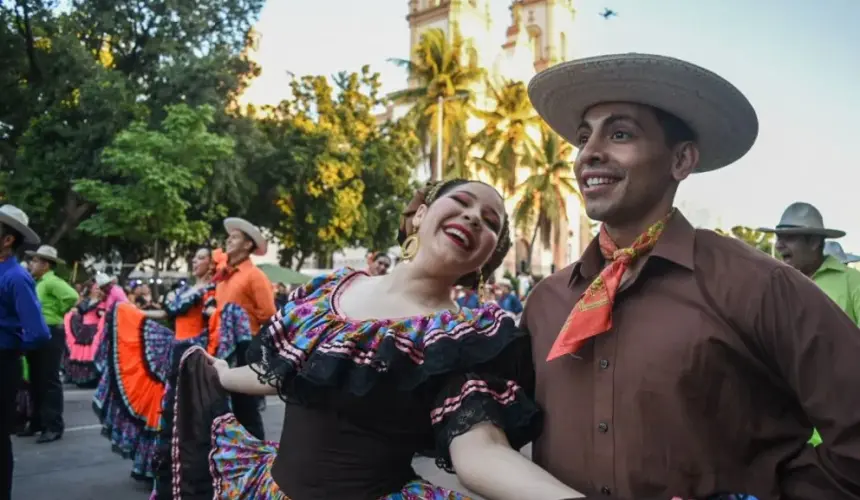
410,281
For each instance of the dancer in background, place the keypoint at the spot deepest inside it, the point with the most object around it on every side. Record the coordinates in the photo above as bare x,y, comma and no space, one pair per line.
137,350
245,285
378,263
22,327
46,389
84,327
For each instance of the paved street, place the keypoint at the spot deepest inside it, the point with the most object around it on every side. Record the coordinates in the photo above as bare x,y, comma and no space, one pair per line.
82,467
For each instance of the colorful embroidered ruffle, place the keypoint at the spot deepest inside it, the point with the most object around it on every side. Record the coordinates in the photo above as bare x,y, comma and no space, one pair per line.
309,344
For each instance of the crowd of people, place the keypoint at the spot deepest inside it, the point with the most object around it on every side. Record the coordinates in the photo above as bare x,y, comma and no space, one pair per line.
667,362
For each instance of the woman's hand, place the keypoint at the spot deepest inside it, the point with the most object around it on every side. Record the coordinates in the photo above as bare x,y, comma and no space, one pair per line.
219,364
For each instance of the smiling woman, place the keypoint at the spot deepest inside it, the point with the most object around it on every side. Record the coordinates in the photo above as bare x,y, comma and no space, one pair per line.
374,369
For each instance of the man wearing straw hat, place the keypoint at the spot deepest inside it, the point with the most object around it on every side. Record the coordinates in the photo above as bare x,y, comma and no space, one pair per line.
800,237
46,389
672,361
22,327
244,284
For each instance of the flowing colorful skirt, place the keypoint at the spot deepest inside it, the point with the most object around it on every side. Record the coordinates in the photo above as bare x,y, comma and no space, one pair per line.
84,334
225,461
134,359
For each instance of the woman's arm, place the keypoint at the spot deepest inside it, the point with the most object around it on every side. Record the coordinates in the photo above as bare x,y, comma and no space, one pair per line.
155,314
486,464
242,380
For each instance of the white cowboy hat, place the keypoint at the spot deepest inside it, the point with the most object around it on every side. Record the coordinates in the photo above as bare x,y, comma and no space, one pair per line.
723,120
250,230
834,249
103,279
46,252
15,218
803,218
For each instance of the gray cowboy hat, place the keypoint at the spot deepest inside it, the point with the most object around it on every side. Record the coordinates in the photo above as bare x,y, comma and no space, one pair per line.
803,218
725,123
250,230
14,217
46,252
834,249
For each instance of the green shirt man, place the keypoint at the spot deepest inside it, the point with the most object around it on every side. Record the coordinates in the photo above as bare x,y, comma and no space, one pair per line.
57,297
800,241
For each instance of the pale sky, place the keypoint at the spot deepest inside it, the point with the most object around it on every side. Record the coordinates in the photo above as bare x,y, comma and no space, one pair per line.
798,63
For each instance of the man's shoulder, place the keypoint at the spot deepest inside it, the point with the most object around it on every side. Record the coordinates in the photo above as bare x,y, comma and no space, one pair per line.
733,271
18,276
556,282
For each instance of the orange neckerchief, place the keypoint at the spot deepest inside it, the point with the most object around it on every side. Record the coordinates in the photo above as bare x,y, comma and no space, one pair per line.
592,313
222,269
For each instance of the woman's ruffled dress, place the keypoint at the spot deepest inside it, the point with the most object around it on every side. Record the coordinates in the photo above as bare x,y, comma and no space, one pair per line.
84,327
135,357
414,384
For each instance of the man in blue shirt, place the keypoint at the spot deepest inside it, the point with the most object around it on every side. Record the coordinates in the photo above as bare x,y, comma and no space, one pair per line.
22,327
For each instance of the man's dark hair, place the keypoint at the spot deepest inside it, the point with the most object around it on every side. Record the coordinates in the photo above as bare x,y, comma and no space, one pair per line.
19,238
675,129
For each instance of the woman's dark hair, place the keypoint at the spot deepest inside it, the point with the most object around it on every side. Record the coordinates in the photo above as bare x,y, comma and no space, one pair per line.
432,192
379,255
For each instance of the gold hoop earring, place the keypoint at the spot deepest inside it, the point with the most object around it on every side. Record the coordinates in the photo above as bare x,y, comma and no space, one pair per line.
480,280
409,247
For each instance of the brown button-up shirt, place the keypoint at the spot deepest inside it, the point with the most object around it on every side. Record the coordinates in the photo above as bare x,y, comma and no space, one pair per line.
719,363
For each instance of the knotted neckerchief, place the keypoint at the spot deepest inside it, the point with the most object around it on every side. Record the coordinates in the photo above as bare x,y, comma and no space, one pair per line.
592,313
223,270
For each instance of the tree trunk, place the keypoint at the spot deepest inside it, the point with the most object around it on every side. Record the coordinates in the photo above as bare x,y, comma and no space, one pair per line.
532,244
72,215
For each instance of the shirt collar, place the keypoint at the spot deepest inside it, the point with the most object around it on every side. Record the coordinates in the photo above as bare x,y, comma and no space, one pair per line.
675,245
48,274
830,263
7,264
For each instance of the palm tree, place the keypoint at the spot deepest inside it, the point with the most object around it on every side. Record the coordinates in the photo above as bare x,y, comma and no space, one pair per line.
543,203
505,139
443,81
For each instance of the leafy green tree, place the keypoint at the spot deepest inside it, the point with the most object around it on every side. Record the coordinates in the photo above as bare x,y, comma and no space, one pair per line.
753,237
332,177
154,174
75,77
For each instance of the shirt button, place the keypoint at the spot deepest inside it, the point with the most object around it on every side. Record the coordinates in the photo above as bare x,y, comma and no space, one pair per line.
603,427
606,491
604,364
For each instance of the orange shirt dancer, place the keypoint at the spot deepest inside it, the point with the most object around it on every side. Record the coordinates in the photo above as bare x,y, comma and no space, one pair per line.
245,285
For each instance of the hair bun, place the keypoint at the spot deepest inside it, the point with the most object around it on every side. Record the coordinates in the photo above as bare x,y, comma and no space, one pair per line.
422,196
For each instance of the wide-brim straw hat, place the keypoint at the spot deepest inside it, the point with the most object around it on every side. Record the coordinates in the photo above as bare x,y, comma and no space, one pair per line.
803,218
15,218
46,252
724,121
251,231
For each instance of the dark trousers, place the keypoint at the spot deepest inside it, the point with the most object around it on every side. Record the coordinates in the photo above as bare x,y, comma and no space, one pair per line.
46,388
245,407
10,380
